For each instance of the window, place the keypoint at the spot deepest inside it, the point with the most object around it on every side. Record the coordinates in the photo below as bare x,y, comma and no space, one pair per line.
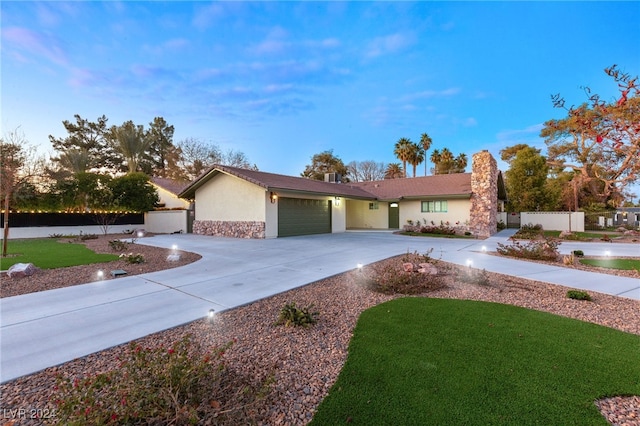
373,206
434,207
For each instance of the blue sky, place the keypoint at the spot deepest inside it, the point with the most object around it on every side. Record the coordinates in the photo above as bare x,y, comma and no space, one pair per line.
281,81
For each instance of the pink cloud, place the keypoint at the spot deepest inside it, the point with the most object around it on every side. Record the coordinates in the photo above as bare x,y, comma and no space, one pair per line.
35,44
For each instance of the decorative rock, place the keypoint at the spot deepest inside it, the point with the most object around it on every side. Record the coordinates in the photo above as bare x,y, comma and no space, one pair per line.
484,194
233,229
408,267
174,257
21,270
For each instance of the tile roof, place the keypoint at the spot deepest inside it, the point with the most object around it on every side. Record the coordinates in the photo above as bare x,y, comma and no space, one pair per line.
170,185
275,182
457,185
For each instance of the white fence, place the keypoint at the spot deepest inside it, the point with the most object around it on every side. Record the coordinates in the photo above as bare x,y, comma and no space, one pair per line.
554,221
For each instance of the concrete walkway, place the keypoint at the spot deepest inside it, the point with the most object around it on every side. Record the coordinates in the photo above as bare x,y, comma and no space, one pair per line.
48,328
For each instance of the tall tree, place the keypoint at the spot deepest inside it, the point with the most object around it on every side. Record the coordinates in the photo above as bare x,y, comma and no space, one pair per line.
394,171
425,143
526,179
402,150
365,171
325,162
599,140
160,141
130,141
88,136
416,156
134,192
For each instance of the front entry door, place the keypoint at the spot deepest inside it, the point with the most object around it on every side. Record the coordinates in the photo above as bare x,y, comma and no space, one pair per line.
394,216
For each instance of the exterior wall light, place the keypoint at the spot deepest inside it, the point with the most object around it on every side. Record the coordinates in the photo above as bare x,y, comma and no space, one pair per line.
393,205
273,197
337,201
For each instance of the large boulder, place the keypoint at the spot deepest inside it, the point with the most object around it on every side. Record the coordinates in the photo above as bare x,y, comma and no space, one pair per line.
20,270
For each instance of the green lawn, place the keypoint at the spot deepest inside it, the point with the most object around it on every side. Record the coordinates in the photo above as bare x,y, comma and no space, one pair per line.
420,361
613,263
47,253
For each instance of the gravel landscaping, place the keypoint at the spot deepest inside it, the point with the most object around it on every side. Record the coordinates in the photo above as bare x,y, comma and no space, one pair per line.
301,364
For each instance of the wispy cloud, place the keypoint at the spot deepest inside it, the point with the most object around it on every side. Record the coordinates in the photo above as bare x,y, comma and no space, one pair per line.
34,43
430,94
392,43
206,16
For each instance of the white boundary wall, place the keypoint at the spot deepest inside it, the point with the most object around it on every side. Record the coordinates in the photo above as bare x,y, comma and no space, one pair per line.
554,221
45,231
166,221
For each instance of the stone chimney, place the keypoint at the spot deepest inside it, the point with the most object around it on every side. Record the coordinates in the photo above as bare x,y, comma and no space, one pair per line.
484,194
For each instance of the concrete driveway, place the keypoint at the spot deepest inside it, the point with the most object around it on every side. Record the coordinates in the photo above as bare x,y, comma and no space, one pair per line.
43,329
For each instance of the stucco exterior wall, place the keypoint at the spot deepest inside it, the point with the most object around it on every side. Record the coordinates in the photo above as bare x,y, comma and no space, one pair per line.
170,200
166,221
457,213
360,216
228,198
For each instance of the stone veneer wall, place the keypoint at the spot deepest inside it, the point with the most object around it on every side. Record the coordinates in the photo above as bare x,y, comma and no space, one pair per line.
234,229
484,194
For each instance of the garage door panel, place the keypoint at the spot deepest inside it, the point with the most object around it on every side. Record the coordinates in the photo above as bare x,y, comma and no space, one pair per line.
298,216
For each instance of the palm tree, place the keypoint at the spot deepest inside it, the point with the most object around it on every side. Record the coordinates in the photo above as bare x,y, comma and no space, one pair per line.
425,142
416,156
435,159
460,163
403,151
130,142
394,171
446,161
75,160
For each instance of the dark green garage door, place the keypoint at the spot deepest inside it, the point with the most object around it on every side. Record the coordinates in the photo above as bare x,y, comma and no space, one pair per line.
297,216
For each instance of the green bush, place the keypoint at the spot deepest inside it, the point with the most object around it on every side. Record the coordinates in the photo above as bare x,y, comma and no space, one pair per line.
545,249
578,253
151,386
578,295
529,231
291,315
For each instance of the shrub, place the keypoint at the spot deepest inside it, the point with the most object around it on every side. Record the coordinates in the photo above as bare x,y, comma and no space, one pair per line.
117,245
569,259
473,276
529,232
391,277
501,225
291,315
545,249
151,386
85,237
132,258
578,295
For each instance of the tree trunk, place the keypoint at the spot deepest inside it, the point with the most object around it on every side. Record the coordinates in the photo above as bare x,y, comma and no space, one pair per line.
6,224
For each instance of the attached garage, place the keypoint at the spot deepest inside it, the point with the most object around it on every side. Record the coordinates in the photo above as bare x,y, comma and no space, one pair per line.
299,216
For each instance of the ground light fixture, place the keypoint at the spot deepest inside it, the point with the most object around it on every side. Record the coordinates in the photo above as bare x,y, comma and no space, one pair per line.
469,262
174,247
100,274
607,253
484,249
211,316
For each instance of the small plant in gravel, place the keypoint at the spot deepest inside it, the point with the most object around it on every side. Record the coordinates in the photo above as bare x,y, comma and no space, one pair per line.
569,259
578,295
291,315
118,245
545,249
151,386
473,276
132,258
578,253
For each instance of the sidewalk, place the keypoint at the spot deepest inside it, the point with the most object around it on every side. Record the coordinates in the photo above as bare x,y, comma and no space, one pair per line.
48,328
